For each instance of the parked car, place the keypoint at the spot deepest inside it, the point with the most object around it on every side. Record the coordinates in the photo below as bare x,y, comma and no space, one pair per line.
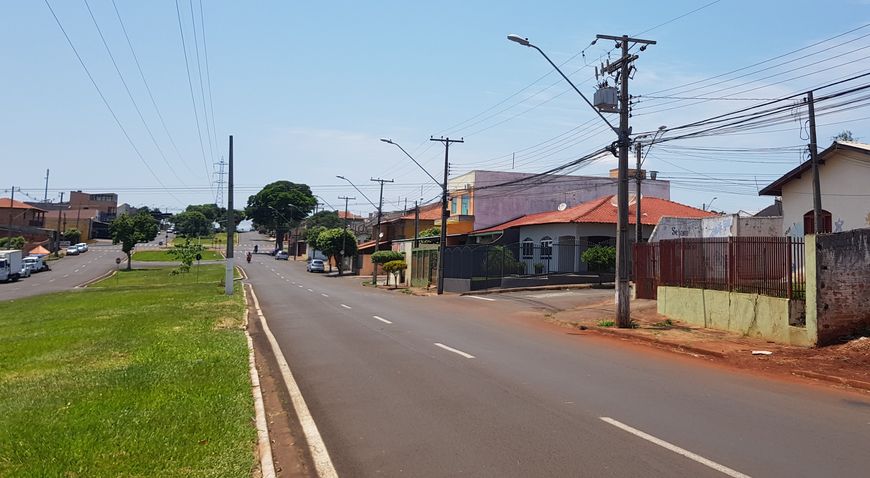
25,270
315,265
82,247
282,256
36,263
72,251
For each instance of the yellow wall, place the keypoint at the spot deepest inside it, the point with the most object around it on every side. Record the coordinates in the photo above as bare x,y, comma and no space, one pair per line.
752,315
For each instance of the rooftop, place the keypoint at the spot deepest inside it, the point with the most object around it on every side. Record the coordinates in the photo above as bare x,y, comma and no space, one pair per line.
7,203
775,188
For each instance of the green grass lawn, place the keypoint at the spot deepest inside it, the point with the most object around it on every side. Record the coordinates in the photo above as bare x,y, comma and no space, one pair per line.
163,256
143,374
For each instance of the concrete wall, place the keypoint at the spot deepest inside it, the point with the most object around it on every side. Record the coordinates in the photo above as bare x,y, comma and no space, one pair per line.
731,225
752,315
497,205
842,288
843,182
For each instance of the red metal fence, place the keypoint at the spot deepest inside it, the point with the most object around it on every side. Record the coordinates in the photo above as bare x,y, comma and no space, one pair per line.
772,266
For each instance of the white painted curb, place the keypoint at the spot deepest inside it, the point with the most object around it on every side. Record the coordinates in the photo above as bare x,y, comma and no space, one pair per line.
264,444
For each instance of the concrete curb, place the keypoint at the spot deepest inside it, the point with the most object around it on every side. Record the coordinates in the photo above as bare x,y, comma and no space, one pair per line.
95,279
264,444
834,379
653,340
540,287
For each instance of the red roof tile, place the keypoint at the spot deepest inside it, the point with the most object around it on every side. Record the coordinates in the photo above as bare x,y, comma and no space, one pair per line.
5,204
603,211
429,212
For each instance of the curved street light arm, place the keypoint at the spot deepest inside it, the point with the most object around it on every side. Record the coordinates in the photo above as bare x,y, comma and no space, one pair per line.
357,190
389,141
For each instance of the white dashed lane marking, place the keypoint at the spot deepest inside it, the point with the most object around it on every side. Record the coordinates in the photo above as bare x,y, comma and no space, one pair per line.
324,295
346,306
480,298
382,319
456,351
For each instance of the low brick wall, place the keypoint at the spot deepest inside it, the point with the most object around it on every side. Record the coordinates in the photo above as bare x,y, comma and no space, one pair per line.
752,315
842,285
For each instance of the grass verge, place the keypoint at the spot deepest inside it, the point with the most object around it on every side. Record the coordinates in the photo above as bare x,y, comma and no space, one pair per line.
143,374
163,256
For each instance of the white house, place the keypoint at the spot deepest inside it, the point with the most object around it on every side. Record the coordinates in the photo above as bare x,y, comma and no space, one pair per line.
844,177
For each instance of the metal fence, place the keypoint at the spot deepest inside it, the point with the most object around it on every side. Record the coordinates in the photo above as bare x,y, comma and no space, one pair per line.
490,262
772,266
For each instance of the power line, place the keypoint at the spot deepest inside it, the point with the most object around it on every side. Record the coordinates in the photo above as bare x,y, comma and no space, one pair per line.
192,96
106,103
211,146
130,94
207,72
148,88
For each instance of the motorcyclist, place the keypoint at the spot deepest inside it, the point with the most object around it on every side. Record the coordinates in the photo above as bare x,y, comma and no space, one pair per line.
248,257
256,248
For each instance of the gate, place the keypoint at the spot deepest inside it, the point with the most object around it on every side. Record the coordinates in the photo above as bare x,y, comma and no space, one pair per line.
646,270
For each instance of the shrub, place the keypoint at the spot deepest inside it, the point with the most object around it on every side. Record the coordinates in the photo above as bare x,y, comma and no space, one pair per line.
16,242
395,267
383,257
600,258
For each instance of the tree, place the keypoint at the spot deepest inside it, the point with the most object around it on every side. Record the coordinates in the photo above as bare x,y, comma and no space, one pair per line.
130,230
333,241
72,235
845,135
186,253
192,224
394,267
500,262
327,219
433,232
600,258
279,206
311,235
210,211
16,242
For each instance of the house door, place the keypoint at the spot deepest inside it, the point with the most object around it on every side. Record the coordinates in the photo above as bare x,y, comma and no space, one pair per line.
567,253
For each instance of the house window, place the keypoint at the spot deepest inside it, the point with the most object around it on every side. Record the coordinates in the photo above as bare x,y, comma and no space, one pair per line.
810,222
546,248
453,205
466,199
528,248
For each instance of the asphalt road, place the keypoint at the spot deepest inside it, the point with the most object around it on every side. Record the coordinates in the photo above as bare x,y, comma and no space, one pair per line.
450,386
66,273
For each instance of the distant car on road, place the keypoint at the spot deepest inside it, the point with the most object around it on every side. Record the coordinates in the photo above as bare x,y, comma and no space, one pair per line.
72,251
82,247
315,265
282,256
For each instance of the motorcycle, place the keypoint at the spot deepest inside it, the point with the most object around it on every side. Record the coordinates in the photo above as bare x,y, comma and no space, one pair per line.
248,257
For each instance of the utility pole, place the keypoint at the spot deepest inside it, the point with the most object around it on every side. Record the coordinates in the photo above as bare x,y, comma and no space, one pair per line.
638,230
344,241
11,214
623,295
442,243
378,228
416,224
45,197
59,214
231,225
814,157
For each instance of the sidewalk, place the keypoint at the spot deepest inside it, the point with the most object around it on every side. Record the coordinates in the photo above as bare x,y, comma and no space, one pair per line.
846,364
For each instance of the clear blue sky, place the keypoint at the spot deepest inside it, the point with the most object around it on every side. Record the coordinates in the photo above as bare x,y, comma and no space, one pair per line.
307,88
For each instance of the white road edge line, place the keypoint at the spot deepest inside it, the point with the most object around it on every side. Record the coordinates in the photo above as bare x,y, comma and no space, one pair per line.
480,298
451,349
674,448
382,319
264,444
319,454
345,306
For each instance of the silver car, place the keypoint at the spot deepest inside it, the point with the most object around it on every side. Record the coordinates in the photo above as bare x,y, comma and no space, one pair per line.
72,251
315,265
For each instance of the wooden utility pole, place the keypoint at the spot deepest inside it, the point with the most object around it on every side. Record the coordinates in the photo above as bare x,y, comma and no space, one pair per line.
818,226
442,243
59,214
623,65
231,225
638,229
416,224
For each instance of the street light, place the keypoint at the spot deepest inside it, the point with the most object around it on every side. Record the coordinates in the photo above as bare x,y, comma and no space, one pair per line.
706,207
357,190
442,243
377,230
638,228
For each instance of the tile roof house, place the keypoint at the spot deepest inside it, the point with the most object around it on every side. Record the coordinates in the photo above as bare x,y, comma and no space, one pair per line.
844,172
555,240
